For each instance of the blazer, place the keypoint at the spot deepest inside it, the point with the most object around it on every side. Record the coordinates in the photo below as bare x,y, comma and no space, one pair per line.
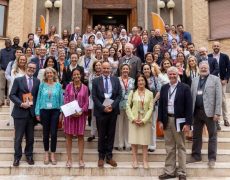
133,106
212,95
140,52
36,60
18,89
66,77
213,65
224,66
135,65
98,95
182,104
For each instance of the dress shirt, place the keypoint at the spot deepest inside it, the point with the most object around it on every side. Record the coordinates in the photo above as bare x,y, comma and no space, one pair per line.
145,48
109,94
172,92
217,57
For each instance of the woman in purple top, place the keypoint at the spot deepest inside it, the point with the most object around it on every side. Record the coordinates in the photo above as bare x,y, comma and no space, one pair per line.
74,125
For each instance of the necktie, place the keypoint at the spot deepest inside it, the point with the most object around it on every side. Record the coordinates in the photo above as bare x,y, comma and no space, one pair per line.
41,64
106,85
30,84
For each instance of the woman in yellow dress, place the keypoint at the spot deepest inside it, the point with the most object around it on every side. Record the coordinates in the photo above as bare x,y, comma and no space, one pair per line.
139,111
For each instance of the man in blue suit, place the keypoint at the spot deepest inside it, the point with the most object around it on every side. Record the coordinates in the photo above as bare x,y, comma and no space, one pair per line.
106,87
143,48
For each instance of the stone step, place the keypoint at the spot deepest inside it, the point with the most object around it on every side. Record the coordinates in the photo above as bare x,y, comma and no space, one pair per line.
5,109
7,131
124,169
39,177
8,142
6,154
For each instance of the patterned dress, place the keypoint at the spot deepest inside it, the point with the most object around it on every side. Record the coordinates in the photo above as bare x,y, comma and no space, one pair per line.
76,125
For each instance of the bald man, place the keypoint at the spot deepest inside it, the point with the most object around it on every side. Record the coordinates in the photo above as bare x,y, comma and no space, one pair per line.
224,66
106,87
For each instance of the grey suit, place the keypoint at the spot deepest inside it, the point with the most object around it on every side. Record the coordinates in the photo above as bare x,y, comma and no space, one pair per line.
203,115
134,63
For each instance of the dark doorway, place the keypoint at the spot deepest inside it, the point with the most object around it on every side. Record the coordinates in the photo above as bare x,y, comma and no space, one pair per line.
114,20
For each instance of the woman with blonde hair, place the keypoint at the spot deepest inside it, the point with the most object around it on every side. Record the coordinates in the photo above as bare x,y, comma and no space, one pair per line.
18,70
47,110
191,70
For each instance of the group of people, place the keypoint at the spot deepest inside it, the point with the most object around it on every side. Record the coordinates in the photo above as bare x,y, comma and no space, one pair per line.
124,84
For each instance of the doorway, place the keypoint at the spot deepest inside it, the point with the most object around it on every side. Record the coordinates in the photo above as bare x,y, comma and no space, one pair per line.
110,19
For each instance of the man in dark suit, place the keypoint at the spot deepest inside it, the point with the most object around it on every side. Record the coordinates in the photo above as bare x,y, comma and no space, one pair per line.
76,34
224,65
143,48
106,87
40,60
213,65
175,105
23,112
133,61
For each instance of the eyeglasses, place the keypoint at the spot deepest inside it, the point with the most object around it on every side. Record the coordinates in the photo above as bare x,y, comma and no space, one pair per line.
31,67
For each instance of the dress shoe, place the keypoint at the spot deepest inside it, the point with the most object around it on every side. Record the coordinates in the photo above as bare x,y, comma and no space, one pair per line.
30,160
166,176
16,162
211,163
90,138
192,160
226,123
182,177
218,126
100,163
151,150
111,162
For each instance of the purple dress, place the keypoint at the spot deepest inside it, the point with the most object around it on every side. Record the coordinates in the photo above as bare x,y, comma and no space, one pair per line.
76,125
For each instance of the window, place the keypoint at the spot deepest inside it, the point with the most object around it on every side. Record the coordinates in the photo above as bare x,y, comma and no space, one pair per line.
219,19
3,12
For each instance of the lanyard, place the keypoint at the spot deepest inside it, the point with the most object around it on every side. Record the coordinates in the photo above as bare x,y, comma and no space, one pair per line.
201,85
86,63
76,91
171,93
125,84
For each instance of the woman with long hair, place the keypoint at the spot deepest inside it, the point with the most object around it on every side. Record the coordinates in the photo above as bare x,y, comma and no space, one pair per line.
47,110
113,60
139,111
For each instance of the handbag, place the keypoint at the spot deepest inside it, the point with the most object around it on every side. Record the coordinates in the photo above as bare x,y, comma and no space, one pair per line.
160,132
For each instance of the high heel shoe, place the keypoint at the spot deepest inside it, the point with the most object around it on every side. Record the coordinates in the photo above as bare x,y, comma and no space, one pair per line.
135,165
81,164
146,165
68,164
46,159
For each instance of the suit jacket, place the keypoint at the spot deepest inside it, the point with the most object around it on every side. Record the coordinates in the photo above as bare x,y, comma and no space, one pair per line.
133,106
224,66
213,65
98,95
182,104
36,60
81,62
135,65
212,95
66,77
140,52
18,89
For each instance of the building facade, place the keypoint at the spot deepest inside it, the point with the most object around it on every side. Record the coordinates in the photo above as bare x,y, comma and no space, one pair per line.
21,17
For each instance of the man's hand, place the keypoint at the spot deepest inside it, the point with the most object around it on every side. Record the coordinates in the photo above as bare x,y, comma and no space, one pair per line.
186,128
25,105
216,117
108,109
38,118
161,126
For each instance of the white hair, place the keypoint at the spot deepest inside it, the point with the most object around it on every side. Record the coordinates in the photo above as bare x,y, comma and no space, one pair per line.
172,69
203,63
129,45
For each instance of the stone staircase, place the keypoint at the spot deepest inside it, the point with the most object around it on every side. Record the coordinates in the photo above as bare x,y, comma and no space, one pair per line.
124,170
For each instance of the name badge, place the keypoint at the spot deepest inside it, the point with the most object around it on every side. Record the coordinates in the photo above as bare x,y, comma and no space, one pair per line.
107,96
199,92
49,105
126,96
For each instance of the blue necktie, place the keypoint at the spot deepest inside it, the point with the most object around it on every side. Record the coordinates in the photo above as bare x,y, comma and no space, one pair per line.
30,84
106,85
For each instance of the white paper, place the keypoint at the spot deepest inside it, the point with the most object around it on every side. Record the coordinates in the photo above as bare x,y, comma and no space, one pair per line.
71,108
107,102
178,122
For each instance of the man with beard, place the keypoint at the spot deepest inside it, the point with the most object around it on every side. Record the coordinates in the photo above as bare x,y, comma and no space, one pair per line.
207,97
224,65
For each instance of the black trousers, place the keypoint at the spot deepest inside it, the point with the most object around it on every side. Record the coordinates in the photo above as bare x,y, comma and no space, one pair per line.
23,126
200,119
106,126
49,120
